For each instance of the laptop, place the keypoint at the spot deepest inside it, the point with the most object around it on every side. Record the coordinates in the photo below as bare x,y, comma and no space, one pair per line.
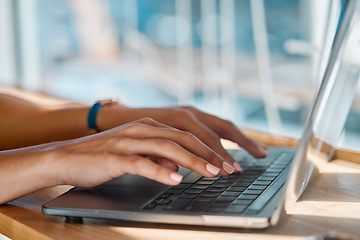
254,198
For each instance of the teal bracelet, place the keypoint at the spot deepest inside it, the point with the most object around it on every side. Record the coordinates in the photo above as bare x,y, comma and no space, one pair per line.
95,109
92,116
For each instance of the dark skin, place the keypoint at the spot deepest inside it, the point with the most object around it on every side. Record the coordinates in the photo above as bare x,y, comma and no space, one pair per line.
150,142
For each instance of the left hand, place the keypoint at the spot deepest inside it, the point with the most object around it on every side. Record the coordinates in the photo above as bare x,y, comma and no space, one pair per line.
208,128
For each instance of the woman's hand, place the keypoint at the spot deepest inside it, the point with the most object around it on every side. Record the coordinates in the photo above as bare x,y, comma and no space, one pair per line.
144,147
208,128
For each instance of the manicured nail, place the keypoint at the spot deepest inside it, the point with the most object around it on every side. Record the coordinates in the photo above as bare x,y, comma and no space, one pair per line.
176,177
228,168
212,169
237,167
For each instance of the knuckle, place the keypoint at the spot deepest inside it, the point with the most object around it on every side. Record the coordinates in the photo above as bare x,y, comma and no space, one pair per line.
115,142
183,113
135,128
229,124
187,136
146,120
166,145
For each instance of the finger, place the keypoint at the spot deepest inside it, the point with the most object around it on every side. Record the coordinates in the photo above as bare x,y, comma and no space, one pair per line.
187,141
168,164
262,145
145,167
212,140
228,130
167,149
165,163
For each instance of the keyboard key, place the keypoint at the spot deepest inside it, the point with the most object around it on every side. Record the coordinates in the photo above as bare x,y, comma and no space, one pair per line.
263,183
196,206
163,201
215,209
253,172
198,186
150,206
236,208
175,191
221,185
252,192
235,175
210,194
182,186
230,194
240,184
256,187
225,198
247,197
207,182
262,178
178,204
164,195
242,202
235,189
215,189
191,178
259,167
220,204
211,179
226,180
189,195
192,190
269,174
275,169
205,199
247,179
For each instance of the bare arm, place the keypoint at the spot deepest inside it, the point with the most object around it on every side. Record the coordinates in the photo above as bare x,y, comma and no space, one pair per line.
154,149
26,123
144,147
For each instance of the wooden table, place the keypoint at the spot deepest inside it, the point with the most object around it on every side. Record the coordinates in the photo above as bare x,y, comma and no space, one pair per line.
330,203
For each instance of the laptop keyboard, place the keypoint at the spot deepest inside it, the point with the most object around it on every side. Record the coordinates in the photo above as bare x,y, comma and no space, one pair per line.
244,192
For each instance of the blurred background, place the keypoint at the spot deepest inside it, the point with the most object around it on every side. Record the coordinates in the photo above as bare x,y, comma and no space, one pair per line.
255,62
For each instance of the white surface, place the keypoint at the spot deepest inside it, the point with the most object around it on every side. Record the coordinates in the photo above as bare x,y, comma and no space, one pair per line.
2,237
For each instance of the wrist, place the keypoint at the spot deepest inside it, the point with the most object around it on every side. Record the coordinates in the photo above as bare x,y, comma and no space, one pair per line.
95,122
111,116
51,163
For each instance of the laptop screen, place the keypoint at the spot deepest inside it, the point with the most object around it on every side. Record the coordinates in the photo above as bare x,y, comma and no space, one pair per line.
332,104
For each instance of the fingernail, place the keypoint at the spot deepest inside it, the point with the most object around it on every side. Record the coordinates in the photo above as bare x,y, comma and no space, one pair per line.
237,167
176,177
228,168
212,169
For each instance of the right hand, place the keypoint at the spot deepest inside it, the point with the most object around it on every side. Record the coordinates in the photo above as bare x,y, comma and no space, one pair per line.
143,147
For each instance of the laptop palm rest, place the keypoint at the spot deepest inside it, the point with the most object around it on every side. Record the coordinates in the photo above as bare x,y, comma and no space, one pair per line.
129,192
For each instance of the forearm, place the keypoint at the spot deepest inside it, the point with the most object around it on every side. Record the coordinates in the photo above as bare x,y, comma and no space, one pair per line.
27,170
23,123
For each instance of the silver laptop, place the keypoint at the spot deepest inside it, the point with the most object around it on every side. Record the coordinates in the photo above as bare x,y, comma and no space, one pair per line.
254,198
